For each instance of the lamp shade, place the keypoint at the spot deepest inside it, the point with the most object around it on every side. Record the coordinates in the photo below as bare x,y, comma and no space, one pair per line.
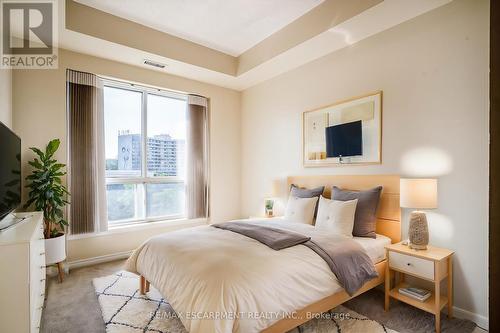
418,193
276,189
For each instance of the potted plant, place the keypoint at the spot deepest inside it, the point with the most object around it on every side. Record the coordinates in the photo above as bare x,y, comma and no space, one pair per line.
48,194
269,203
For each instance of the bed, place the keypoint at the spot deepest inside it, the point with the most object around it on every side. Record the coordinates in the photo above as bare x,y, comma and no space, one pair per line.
218,281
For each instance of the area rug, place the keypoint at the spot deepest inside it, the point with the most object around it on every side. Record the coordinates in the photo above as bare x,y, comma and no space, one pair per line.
124,310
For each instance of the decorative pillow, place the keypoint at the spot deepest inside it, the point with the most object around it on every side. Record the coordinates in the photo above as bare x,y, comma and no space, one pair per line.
298,192
365,218
300,210
336,216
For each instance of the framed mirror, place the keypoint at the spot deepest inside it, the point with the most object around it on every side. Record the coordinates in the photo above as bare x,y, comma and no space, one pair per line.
347,132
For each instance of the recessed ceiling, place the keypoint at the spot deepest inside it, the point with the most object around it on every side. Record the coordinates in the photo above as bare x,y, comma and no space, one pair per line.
89,30
231,26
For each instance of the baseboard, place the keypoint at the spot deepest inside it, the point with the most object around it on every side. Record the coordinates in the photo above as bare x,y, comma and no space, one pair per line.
480,321
97,260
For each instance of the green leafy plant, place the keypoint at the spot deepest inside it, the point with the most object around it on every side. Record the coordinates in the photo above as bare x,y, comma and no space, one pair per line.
47,193
269,203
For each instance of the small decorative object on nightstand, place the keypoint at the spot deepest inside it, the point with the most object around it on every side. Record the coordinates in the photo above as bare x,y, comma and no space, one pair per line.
272,198
269,202
433,264
420,194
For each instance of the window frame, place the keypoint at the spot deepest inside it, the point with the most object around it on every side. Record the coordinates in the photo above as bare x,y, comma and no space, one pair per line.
143,179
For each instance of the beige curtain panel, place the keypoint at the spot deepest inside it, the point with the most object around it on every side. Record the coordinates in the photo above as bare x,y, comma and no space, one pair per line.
84,95
197,187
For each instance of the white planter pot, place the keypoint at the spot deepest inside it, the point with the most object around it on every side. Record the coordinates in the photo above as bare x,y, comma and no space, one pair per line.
55,250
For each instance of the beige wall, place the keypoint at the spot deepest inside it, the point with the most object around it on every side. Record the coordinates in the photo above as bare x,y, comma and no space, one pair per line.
39,115
433,71
6,97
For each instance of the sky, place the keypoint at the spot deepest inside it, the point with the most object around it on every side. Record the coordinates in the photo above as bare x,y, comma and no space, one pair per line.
122,111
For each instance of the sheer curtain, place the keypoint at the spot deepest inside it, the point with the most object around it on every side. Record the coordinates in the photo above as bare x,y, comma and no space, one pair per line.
84,93
197,157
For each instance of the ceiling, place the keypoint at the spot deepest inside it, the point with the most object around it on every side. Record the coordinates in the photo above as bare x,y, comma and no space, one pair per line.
231,27
322,27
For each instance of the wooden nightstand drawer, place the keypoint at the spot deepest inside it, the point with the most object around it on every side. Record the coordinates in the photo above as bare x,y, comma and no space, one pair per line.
412,265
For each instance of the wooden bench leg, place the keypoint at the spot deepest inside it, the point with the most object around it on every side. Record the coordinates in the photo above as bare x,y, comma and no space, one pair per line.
61,273
142,285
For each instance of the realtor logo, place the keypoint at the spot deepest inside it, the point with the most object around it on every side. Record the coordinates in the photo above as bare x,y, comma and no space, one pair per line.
28,34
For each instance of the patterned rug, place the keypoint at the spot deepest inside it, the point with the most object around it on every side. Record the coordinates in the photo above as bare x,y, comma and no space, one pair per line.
124,310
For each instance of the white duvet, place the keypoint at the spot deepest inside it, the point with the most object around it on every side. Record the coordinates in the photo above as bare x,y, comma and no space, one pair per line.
220,281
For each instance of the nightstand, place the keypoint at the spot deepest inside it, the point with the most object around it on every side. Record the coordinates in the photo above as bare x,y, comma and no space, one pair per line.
433,264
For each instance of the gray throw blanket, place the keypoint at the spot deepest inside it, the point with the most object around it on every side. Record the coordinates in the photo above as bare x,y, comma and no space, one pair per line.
346,258
276,239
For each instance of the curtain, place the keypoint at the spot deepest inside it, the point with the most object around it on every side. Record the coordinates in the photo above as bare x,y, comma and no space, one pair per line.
84,93
197,157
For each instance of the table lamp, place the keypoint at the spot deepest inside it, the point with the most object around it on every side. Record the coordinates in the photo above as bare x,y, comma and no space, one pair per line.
418,194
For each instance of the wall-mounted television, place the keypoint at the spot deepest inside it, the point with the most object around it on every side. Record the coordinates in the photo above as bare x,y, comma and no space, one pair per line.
10,172
344,140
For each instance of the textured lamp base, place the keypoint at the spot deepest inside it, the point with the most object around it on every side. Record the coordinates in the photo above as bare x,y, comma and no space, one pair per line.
418,232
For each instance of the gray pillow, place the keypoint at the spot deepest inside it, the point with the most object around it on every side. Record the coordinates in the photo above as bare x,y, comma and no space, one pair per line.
365,218
298,192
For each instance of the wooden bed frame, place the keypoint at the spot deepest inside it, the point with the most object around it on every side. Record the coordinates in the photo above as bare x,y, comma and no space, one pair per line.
388,224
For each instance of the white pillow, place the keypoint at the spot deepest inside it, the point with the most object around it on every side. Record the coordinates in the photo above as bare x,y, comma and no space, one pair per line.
300,210
336,216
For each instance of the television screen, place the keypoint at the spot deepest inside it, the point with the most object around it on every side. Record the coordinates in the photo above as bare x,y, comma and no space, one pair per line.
10,171
344,140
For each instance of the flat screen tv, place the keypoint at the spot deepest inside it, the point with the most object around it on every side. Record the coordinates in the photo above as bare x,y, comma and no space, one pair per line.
10,172
344,140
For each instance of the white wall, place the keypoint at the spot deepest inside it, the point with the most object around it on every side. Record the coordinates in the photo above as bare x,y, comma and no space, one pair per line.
39,114
6,97
433,71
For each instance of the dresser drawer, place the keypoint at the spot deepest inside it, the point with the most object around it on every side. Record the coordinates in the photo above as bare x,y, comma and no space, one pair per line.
413,265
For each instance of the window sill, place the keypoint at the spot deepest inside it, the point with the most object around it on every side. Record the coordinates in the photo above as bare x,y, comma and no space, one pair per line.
126,228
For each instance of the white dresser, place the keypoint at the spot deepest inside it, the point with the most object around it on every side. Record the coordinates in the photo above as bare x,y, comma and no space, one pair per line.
22,275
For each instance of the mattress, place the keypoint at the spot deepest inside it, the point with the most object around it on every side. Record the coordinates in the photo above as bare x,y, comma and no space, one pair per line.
374,247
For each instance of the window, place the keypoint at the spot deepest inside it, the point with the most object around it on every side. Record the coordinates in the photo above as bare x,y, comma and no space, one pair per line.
145,149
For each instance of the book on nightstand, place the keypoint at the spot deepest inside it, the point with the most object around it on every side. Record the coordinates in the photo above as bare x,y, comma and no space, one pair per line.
415,293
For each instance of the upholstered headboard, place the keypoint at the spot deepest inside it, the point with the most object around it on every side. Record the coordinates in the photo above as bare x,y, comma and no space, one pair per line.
389,212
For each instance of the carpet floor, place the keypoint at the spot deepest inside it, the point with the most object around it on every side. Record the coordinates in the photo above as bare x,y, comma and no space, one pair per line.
72,306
